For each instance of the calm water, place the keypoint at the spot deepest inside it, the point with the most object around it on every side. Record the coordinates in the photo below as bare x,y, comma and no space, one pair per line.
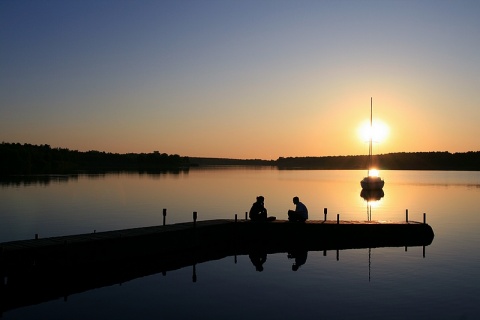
380,283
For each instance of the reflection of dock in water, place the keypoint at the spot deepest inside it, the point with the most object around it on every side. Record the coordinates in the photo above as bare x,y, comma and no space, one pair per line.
39,270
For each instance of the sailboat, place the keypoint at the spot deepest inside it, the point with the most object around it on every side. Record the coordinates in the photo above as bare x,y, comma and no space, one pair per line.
371,182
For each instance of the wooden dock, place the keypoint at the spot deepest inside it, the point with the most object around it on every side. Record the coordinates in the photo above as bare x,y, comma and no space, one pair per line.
44,269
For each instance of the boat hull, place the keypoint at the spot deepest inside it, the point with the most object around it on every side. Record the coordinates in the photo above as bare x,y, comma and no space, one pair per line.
372,183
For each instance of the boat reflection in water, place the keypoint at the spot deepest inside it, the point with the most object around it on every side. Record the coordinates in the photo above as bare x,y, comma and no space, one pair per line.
371,197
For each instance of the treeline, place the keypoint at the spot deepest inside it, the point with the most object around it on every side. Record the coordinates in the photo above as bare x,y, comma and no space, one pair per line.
467,161
392,161
16,158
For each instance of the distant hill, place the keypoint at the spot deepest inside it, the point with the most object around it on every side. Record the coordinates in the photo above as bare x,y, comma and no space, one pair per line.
229,162
468,161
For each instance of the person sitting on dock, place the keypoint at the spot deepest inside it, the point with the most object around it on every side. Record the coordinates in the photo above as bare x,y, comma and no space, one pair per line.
258,212
300,213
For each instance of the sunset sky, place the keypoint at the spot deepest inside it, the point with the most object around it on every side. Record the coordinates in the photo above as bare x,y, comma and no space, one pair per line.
240,79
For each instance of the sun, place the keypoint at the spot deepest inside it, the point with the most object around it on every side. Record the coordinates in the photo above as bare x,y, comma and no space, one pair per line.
378,132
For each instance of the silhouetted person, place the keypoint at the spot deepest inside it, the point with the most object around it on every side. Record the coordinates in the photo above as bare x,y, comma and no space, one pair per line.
258,259
300,213
300,257
258,212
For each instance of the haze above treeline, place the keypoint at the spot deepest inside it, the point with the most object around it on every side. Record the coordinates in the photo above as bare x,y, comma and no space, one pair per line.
16,158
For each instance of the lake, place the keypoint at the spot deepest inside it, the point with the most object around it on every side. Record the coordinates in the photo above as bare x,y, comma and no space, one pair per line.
441,281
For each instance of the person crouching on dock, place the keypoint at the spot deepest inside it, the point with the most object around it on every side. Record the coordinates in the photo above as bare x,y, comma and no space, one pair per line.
258,212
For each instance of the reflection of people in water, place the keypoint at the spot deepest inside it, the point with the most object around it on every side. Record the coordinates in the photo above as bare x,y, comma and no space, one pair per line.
300,256
300,213
258,212
258,259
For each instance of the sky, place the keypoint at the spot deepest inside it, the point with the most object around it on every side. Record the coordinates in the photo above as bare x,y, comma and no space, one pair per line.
240,79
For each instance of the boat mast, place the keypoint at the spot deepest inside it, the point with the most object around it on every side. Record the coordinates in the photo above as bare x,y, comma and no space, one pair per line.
371,138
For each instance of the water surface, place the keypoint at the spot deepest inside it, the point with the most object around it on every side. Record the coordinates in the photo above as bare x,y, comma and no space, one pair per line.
377,283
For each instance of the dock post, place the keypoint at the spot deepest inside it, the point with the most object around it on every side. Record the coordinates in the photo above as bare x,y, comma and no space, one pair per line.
424,251
36,236
338,254
324,214
194,218
246,215
164,215
406,215
235,218
338,218
424,218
